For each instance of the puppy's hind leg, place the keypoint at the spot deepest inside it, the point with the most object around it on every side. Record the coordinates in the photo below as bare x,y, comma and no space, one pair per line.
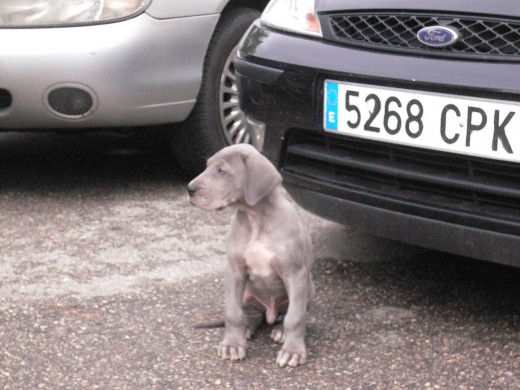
277,334
254,320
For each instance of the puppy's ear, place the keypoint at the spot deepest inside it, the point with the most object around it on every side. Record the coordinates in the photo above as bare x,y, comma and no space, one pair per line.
261,178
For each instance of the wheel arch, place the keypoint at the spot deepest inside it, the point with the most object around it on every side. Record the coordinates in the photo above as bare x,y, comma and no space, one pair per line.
200,137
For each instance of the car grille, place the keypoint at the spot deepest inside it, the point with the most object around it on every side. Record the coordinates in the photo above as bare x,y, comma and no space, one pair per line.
481,37
433,180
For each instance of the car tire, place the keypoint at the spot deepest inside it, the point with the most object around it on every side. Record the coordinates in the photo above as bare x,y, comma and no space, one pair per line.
217,120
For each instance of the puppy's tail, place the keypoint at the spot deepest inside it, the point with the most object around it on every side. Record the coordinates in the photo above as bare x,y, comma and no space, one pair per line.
220,323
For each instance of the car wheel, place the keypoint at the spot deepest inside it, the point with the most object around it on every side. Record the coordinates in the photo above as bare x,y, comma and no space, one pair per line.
217,120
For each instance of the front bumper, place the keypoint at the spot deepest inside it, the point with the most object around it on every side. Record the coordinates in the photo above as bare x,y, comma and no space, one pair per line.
419,199
141,71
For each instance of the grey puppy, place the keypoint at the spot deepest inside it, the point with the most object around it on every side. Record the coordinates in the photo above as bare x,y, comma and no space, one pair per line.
269,252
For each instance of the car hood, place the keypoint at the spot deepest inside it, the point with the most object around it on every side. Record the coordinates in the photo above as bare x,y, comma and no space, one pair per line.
504,8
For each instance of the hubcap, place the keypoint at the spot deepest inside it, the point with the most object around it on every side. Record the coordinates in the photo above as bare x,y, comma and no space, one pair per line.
237,126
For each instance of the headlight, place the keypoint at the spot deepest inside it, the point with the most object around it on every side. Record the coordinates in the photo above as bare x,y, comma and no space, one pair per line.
33,13
297,16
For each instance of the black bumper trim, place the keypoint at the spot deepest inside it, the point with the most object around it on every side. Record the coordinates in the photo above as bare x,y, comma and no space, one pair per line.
461,240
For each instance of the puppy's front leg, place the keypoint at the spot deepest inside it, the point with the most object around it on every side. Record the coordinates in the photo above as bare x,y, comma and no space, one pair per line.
293,352
233,346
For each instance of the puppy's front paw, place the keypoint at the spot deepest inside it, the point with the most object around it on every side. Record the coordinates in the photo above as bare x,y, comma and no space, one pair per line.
231,351
292,358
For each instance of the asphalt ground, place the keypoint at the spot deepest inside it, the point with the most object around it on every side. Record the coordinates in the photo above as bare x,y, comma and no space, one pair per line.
105,268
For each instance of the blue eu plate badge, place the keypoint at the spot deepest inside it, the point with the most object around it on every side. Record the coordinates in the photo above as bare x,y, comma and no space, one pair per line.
331,106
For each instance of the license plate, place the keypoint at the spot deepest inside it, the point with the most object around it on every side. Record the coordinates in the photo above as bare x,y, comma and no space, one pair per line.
464,125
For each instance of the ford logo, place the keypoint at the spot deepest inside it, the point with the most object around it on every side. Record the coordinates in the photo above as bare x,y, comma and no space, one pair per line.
438,36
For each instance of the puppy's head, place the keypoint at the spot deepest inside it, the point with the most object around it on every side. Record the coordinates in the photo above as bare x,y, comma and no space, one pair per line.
237,174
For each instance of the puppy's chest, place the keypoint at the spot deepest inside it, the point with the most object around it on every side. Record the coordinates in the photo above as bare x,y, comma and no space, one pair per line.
259,257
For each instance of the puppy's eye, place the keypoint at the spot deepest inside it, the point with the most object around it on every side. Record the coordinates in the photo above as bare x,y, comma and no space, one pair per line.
222,172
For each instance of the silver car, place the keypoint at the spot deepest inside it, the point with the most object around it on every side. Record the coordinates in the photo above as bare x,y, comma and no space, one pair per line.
87,64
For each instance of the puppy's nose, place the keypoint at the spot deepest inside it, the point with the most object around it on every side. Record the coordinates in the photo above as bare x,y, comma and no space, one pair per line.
192,190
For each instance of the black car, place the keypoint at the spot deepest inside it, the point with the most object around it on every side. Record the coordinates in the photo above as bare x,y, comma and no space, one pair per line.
396,117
